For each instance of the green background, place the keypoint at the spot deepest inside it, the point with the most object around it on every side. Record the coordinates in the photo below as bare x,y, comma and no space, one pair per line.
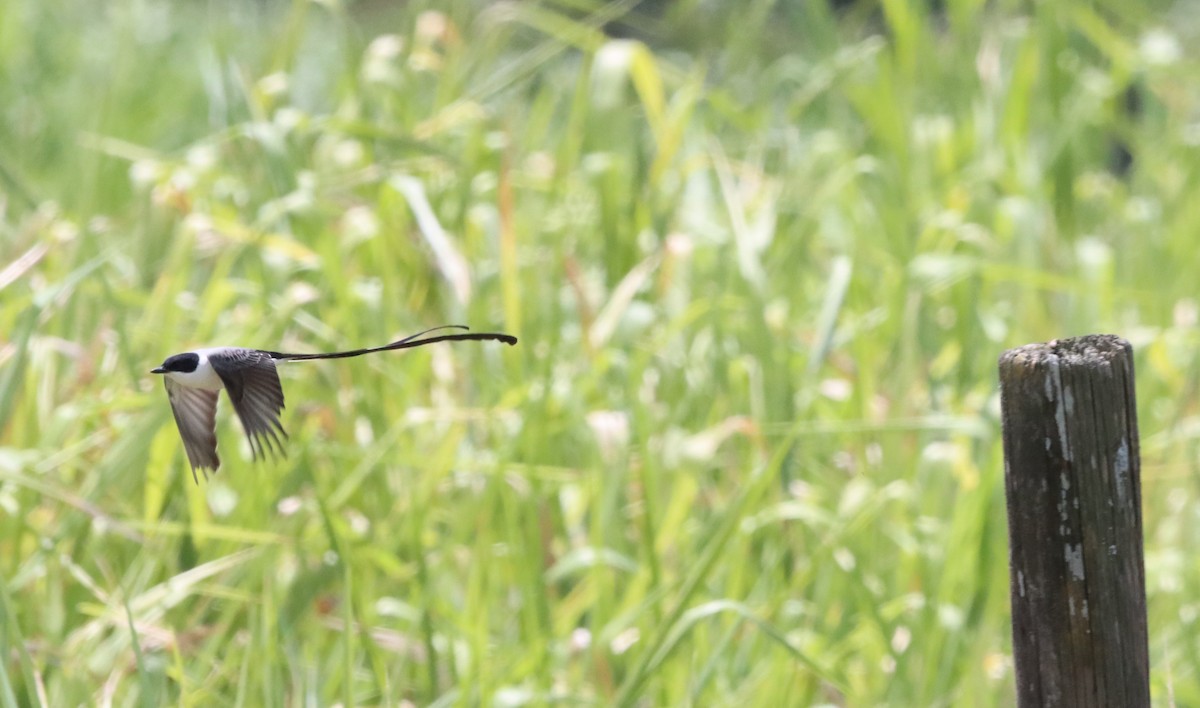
762,258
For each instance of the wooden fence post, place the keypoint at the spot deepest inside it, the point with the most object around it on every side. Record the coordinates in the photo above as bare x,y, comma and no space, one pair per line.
1073,483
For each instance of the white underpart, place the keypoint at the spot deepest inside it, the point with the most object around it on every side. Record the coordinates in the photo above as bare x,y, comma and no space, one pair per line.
203,377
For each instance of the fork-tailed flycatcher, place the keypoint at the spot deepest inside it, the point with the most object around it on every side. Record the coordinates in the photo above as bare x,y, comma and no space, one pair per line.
194,379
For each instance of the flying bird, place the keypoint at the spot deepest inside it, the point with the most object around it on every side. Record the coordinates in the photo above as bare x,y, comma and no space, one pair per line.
193,380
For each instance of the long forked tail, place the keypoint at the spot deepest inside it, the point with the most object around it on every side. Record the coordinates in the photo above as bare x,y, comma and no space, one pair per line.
408,342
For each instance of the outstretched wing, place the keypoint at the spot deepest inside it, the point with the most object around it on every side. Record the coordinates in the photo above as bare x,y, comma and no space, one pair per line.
196,417
253,385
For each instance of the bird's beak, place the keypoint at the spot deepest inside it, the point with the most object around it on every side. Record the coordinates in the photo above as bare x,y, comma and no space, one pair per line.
159,370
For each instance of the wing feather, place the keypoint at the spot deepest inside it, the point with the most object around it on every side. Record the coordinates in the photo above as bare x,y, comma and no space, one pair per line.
195,413
253,385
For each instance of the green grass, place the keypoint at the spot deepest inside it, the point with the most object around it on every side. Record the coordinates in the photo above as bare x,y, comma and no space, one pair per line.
761,264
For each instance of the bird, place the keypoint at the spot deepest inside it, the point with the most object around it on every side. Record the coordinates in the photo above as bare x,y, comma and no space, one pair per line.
194,379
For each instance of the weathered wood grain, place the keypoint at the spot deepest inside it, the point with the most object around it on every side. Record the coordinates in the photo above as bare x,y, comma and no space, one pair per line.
1072,479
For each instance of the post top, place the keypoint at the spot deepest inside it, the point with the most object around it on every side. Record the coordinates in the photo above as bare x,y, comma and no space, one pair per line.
1091,348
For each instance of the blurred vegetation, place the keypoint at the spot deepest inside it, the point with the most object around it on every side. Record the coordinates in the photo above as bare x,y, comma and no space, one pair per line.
761,256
